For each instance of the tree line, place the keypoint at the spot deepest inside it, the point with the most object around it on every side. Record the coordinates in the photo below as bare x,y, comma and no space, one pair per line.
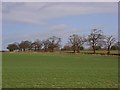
96,40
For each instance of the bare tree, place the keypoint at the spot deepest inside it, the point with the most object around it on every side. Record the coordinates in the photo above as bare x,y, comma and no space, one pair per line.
110,40
25,45
34,46
95,38
45,45
54,43
72,41
37,45
80,41
77,42
12,47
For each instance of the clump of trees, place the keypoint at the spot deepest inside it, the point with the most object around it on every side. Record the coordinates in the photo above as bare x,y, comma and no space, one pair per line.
49,44
95,40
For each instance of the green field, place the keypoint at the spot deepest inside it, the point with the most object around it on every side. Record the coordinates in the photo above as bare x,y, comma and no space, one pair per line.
54,70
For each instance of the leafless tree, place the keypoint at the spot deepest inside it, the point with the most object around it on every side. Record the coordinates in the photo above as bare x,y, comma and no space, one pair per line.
25,45
54,42
110,40
12,47
95,38
80,41
76,42
45,45
37,45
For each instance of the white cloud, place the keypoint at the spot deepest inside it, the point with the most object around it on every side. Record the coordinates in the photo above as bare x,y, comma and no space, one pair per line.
40,13
60,0
60,27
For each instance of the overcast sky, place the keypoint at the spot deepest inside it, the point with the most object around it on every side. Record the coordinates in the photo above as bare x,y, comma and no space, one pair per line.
37,20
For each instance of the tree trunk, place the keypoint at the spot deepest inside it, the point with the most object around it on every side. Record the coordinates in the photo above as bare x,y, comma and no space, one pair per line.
78,50
45,49
94,49
35,48
74,48
108,50
52,49
38,49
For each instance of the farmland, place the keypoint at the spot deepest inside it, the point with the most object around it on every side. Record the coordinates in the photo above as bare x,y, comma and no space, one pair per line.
54,70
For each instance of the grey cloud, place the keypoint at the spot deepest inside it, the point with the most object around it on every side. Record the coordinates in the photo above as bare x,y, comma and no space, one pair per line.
32,12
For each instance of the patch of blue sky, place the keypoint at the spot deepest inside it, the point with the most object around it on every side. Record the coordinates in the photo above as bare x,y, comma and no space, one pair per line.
106,21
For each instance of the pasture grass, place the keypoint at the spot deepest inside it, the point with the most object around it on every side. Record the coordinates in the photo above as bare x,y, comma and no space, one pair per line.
54,70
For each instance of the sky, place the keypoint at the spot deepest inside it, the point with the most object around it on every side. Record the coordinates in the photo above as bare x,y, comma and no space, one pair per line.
40,20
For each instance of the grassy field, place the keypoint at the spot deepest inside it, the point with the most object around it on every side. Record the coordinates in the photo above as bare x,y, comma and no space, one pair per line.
54,70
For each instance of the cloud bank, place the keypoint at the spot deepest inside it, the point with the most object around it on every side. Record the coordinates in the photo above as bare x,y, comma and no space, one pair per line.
40,13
